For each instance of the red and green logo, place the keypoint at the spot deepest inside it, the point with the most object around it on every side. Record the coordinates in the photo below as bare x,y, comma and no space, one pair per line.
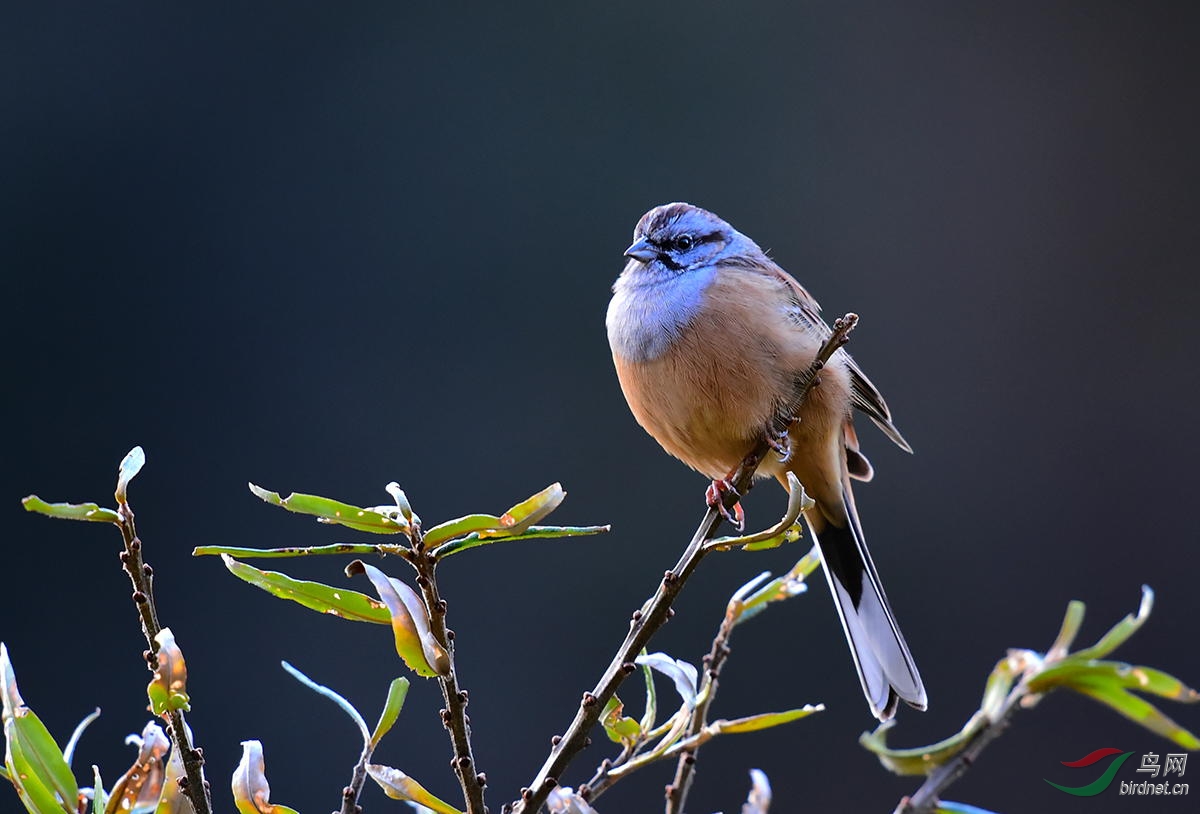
1100,783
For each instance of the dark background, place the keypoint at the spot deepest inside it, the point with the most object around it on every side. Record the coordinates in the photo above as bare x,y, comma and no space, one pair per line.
324,246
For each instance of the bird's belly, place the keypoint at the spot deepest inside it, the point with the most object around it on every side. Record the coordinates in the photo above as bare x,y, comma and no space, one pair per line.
705,403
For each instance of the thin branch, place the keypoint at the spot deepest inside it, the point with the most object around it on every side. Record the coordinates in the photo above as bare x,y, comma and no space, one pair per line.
141,575
657,609
685,768
925,800
454,715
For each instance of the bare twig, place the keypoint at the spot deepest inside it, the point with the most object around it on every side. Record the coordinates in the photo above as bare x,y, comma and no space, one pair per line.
141,575
685,768
454,715
657,609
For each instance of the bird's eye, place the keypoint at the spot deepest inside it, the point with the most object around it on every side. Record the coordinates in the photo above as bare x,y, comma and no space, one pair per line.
684,242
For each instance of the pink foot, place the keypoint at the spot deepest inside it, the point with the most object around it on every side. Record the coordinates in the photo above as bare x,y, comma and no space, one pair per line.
715,497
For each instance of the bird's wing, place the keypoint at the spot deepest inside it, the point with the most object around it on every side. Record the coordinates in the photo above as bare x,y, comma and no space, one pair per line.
806,312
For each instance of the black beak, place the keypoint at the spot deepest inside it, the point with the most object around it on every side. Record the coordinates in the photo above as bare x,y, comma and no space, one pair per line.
642,250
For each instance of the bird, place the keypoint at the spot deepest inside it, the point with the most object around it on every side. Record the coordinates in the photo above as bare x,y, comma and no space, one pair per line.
711,339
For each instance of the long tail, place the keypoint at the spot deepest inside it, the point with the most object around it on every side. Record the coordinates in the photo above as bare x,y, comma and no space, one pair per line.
885,666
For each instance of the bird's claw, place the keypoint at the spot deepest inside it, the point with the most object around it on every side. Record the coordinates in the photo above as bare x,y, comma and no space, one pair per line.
715,497
782,444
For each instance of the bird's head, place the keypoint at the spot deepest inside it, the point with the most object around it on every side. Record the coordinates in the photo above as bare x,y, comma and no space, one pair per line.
677,237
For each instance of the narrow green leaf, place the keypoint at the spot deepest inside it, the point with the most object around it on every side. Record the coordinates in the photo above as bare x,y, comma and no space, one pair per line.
1121,631
131,464
1073,670
333,696
528,511
327,510
922,759
530,533
765,720
340,602
1069,630
32,757
294,551
99,796
397,692
785,587
399,786
70,511
1138,710
460,527
681,672
787,530
34,789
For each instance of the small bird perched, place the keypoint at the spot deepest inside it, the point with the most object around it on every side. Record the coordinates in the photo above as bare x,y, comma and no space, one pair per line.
711,340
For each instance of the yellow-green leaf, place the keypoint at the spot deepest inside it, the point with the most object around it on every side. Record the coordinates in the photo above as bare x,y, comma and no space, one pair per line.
397,692
399,786
340,602
765,720
70,511
410,624
327,510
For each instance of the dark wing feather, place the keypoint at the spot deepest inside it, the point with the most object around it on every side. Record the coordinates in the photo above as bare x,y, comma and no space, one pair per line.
864,395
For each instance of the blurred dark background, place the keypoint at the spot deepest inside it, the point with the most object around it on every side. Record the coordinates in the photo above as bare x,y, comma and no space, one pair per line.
323,246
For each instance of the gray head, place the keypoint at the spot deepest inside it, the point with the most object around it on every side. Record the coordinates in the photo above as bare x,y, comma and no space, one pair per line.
677,237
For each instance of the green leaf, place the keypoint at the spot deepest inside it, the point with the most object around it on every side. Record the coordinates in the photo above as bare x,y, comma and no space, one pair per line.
340,602
399,786
296,551
397,692
1069,630
70,511
326,510
33,760
530,533
1138,710
785,587
131,464
99,797
923,759
1072,670
1121,631
787,530
620,729
460,527
681,672
343,704
764,721
410,624
251,792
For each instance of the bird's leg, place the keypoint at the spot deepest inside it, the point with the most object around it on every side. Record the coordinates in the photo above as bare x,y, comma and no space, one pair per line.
715,496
